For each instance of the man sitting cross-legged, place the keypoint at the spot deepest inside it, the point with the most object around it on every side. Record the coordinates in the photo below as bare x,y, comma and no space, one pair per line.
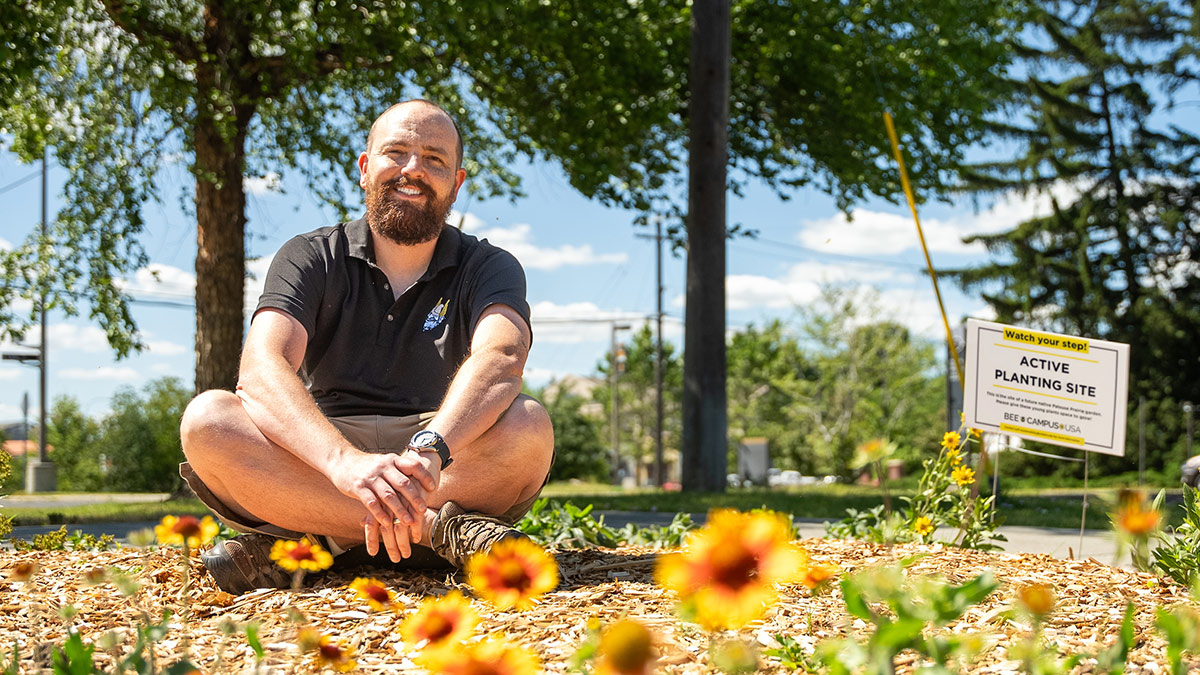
378,399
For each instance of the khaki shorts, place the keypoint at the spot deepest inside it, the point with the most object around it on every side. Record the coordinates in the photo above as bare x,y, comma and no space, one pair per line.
371,433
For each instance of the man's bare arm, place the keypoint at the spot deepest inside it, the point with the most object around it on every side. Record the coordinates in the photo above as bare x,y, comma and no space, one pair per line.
390,486
488,381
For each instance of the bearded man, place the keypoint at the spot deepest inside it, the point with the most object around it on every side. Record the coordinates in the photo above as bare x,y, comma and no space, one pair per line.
379,392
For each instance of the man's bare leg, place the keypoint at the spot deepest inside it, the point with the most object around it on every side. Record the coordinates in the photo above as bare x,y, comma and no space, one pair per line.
260,480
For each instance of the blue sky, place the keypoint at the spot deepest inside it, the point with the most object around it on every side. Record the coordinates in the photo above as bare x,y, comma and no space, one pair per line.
583,263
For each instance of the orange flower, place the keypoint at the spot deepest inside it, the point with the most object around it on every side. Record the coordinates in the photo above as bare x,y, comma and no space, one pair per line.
494,656
816,574
513,574
440,622
626,648
1038,599
963,476
1132,515
186,531
24,571
326,652
295,555
923,525
728,570
378,596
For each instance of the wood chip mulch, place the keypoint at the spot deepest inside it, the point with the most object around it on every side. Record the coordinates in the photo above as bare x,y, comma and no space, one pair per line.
607,584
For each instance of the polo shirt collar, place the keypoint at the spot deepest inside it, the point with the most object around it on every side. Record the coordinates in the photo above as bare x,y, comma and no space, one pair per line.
445,254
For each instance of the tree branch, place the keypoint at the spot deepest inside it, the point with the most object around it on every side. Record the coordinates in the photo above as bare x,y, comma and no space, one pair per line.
136,21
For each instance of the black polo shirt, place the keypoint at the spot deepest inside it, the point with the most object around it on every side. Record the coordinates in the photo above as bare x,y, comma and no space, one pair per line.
371,354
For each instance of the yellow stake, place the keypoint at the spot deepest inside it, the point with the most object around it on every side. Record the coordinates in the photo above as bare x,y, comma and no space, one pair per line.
912,204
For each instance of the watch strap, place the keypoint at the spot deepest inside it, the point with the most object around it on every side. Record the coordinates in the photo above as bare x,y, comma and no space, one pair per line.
438,445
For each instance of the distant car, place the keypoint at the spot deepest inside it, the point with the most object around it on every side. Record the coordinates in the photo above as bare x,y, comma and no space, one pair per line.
785,478
1190,472
733,480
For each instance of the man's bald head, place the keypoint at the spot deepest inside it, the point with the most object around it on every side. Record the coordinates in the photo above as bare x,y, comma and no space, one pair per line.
420,101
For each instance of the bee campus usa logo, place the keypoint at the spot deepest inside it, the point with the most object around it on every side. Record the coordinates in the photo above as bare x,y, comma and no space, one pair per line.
436,315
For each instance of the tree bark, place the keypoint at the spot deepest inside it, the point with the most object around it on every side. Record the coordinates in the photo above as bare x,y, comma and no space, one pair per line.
705,416
220,250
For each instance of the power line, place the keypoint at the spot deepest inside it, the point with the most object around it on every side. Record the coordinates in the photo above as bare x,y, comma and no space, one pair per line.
20,181
862,260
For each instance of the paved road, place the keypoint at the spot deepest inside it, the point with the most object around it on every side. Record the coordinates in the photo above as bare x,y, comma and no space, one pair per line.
1060,543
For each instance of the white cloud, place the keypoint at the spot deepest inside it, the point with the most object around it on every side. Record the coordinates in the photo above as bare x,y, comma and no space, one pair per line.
261,185
877,233
517,240
160,279
165,348
5,245
9,413
109,373
7,374
72,337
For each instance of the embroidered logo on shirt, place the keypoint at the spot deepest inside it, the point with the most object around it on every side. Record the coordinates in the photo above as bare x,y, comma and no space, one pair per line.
436,315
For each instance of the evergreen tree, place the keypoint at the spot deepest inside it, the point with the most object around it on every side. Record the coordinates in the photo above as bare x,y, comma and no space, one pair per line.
1114,259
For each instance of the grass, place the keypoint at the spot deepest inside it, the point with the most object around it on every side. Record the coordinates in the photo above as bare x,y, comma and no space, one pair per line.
825,502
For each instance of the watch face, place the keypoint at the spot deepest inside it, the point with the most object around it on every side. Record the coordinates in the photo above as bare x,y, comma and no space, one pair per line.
424,439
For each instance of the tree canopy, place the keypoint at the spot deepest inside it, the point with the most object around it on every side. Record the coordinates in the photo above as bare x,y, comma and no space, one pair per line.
1093,125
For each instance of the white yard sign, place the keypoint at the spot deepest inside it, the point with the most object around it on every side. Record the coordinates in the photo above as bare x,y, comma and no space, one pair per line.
1059,389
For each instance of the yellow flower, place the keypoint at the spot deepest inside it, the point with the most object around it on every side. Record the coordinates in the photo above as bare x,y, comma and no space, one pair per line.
1038,599
378,596
923,525
951,440
494,656
440,622
295,555
1133,517
728,570
308,639
186,531
972,431
626,648
963,476
514,573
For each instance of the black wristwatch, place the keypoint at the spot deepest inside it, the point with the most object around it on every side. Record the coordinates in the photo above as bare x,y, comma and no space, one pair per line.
427,439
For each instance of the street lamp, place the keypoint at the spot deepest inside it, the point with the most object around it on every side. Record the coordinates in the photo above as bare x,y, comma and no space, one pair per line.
1187,410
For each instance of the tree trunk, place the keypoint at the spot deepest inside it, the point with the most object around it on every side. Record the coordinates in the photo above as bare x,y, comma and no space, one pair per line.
221,250
705,416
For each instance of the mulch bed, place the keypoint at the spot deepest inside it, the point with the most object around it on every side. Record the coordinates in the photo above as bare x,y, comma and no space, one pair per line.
607,584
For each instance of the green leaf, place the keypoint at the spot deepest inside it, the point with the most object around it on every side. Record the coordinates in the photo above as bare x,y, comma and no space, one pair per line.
855,603
253,641
74,658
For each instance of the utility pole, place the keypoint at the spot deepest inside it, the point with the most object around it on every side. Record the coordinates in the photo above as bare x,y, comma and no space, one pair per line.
659,477
1187,410
41,475
705,407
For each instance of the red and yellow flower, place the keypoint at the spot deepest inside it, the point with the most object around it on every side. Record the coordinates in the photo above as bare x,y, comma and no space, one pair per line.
440,622
494,656
728,570
186,531
513,574
303,554
377,595
626,648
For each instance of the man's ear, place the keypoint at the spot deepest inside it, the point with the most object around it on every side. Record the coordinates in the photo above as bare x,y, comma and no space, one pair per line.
362,170
460,176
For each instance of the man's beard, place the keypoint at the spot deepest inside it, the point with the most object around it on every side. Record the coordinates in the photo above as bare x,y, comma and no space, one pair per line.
404,222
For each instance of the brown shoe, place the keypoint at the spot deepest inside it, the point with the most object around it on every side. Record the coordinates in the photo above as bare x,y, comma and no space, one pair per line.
244,563
458,534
